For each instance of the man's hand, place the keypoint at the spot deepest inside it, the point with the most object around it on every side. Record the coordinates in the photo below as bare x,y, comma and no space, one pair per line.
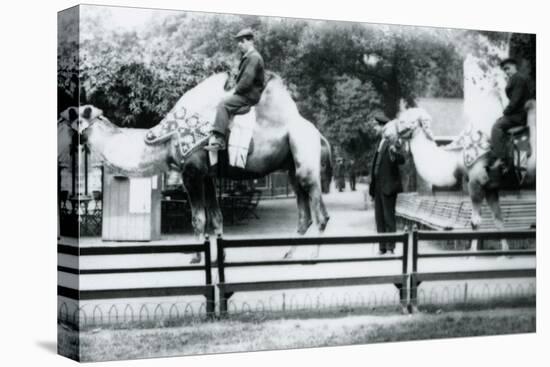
395,149
396,154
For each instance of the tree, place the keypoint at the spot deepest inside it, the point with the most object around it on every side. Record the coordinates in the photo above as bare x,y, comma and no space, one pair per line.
350,122
405,63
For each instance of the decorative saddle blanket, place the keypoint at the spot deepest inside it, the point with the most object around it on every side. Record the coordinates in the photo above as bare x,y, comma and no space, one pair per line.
191,133
474,144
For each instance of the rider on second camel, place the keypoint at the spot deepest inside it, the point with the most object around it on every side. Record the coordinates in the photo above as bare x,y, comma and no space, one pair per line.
518,93
249,86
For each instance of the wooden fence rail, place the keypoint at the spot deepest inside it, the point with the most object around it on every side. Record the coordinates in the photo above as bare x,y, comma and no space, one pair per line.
206,290
228,288
417,277
406,280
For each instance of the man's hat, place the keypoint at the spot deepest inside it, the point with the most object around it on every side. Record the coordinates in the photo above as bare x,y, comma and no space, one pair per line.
508,61
247,32
381,118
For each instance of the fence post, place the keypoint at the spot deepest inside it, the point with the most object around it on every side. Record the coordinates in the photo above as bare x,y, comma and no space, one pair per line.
404,290
210,298
221,275
207,260
413,282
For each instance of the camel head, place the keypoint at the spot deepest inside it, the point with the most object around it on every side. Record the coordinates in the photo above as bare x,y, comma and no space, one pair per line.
69,116
413,121
81,118
390,131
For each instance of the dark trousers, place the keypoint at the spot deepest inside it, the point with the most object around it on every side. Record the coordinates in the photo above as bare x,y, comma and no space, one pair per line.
352,182
228,107
498,134
384,214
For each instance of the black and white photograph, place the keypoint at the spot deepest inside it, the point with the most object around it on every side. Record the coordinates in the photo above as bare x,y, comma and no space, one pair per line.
237,183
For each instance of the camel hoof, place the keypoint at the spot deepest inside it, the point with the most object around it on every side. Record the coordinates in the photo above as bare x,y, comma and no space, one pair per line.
323,225
196,259
302,229
289,255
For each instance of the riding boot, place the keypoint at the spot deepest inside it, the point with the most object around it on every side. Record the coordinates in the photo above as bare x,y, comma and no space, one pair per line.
215,142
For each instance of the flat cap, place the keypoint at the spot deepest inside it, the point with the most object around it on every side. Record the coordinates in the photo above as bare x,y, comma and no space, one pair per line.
381,118
247,32
508,61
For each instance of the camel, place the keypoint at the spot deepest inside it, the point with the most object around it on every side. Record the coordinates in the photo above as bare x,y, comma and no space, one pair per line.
282,139
440,165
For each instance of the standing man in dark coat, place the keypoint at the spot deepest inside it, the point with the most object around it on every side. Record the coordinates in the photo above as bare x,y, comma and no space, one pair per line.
518,93
385,184
352,174
340,174
249,86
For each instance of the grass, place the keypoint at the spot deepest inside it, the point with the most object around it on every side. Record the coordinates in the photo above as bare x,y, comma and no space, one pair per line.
238,335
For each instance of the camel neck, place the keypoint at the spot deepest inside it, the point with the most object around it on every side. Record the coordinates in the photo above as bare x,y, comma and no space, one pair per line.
434,164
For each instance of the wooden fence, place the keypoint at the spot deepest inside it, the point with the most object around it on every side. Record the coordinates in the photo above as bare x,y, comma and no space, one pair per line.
417,277
406,280
206,289
228,288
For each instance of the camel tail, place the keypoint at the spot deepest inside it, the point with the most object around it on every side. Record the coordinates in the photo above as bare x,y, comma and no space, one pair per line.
326,164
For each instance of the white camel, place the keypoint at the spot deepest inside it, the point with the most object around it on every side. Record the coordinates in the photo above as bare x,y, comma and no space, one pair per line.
441,166
282,139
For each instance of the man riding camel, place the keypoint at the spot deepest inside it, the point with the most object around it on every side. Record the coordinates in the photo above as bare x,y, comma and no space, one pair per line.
249,86
518,93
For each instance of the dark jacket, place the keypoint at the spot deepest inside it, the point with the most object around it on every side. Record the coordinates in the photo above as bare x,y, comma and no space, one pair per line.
251,76
387,173
339,170
518,93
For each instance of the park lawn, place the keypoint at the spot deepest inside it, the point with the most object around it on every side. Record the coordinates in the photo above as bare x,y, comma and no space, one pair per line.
239,336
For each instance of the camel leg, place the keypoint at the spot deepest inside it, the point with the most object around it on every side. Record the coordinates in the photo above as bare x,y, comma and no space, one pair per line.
476,197
214,215
494,204
318,207
304,213
325,213
315,205
195,192
306,152
305,146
